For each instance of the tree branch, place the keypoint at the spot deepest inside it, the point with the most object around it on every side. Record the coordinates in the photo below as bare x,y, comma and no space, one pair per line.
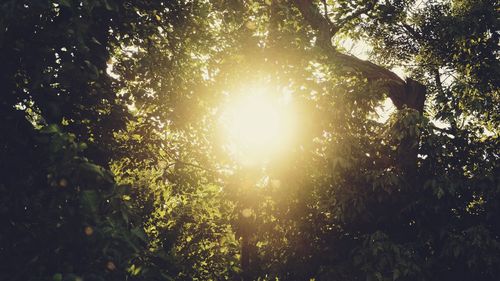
412,31
325,6
408,93
317,21
357,13
437,78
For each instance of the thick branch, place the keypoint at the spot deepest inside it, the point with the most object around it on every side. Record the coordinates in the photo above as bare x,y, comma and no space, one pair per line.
317,21
412,31
437,78
325,7
402,93
356,13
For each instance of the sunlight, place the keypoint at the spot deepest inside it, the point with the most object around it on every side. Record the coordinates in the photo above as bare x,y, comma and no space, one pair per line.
258,124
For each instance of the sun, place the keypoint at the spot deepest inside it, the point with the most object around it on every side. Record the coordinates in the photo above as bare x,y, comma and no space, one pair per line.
258,124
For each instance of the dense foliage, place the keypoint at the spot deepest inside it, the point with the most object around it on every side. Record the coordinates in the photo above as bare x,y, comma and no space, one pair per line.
114,167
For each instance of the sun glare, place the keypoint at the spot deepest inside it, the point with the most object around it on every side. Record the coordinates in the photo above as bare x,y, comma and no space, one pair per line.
258,124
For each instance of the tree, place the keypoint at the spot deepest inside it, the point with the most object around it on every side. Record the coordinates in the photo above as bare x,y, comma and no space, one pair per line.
63,215
131,92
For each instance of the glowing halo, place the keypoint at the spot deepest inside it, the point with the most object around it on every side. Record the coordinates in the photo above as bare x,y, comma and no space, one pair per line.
257,124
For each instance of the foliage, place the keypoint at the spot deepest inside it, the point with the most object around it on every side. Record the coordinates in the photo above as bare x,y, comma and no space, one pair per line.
114,166
65,218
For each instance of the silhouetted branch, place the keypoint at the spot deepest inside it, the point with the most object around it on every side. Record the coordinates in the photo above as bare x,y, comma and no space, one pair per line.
356,14
409,93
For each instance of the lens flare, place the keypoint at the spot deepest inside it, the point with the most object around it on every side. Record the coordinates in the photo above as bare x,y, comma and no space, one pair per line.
258,125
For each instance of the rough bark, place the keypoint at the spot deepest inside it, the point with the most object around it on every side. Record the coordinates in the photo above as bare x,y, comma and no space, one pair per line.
409,93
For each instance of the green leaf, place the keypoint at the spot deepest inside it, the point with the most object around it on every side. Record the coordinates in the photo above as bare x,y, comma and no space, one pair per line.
65,3
139,233
110,6
90,201
395,274
93,168
57,277
50,129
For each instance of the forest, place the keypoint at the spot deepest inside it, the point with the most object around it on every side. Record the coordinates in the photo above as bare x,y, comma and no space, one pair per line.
337,140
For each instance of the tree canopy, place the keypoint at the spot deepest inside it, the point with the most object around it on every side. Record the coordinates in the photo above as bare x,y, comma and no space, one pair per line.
123,154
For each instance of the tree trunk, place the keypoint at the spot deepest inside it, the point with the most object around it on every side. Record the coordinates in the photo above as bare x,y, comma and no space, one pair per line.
409,93
404,94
